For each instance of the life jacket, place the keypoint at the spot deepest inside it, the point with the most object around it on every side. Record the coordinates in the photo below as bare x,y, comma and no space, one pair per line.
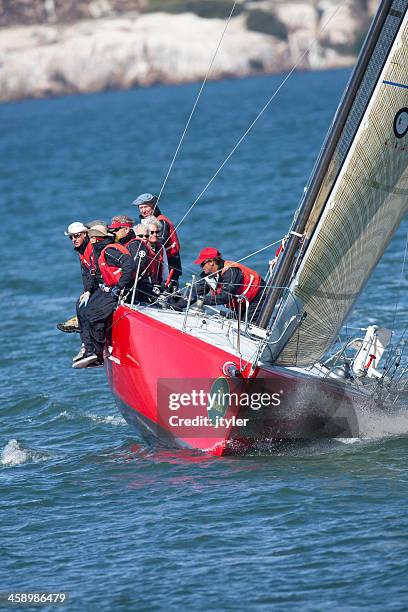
87,257
111,274
172,244
250,287
155,264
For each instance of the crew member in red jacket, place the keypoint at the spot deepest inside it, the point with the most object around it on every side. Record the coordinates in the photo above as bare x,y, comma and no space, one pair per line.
147,204
227,282
115,271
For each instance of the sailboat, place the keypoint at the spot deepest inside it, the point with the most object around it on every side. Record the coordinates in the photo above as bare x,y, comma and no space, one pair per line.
199,380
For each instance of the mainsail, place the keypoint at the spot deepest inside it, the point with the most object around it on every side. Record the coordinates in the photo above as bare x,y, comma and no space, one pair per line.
361,200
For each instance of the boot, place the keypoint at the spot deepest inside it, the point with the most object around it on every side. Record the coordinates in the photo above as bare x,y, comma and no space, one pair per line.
69,326
86,360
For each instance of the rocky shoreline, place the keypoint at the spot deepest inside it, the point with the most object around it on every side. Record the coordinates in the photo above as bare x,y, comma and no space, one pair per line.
140,49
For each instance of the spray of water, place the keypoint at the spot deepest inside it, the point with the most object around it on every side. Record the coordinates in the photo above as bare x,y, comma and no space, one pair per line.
14,454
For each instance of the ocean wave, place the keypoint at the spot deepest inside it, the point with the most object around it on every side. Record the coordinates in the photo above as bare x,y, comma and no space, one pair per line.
14,454
115,420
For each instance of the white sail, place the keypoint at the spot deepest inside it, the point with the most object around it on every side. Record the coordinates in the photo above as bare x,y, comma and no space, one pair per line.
361,202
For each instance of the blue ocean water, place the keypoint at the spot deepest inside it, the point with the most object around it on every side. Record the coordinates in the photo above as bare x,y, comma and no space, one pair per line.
85,506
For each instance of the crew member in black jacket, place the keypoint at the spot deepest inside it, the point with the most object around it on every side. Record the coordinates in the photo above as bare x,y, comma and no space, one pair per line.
227,283
147,205
122,227
77,232
113,272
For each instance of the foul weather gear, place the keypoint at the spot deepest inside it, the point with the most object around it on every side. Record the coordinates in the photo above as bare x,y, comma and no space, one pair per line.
250,285
116,266
231,281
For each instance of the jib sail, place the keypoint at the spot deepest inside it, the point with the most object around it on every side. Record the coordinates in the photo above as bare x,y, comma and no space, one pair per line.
360,201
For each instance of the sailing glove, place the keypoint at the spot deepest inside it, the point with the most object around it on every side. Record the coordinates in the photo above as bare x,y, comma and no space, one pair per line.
83,299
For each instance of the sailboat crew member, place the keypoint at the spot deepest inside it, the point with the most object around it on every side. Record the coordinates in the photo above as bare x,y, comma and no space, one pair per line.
147,204
158,264
135,240
114,270
77,232
222,282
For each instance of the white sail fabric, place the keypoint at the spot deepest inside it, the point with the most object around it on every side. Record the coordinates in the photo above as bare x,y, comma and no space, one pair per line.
366,201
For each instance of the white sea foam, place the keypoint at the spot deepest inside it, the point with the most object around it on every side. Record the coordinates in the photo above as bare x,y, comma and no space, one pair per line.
113,419
377,424
108,420
14,454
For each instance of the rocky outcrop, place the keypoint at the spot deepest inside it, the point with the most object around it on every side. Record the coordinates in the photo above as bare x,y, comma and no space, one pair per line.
34,12
146,48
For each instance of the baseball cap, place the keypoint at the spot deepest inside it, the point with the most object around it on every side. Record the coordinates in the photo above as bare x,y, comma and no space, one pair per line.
75,228
99,231
90,224
207,253
118,224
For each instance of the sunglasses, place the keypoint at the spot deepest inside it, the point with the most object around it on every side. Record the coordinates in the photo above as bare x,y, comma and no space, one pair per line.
142,235
205,262
75,236
155,232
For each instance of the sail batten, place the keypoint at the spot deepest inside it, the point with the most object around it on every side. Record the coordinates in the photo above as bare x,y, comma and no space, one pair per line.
362,197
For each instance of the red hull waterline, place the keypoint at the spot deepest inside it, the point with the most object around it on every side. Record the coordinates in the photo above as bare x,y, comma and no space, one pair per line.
147,355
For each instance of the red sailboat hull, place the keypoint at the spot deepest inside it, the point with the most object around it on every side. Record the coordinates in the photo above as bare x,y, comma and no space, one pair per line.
150,360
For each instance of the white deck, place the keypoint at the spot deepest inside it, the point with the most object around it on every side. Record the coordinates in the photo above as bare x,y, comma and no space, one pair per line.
218,331
208,327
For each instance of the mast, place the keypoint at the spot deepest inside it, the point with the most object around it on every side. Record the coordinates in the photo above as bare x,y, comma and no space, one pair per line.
285,265
361,200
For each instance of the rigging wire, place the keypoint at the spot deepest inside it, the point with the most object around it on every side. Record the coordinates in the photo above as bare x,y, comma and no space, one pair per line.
192,113
259,250
259,115
249,129
392,350
400,282
271,244
196,103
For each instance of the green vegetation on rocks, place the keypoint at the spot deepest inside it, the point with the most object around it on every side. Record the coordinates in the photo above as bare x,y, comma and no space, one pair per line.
209,9
266,23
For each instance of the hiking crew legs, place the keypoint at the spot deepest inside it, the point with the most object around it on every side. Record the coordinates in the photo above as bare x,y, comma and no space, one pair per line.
94,320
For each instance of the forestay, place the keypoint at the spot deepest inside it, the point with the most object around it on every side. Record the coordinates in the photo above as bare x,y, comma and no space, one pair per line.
362,199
